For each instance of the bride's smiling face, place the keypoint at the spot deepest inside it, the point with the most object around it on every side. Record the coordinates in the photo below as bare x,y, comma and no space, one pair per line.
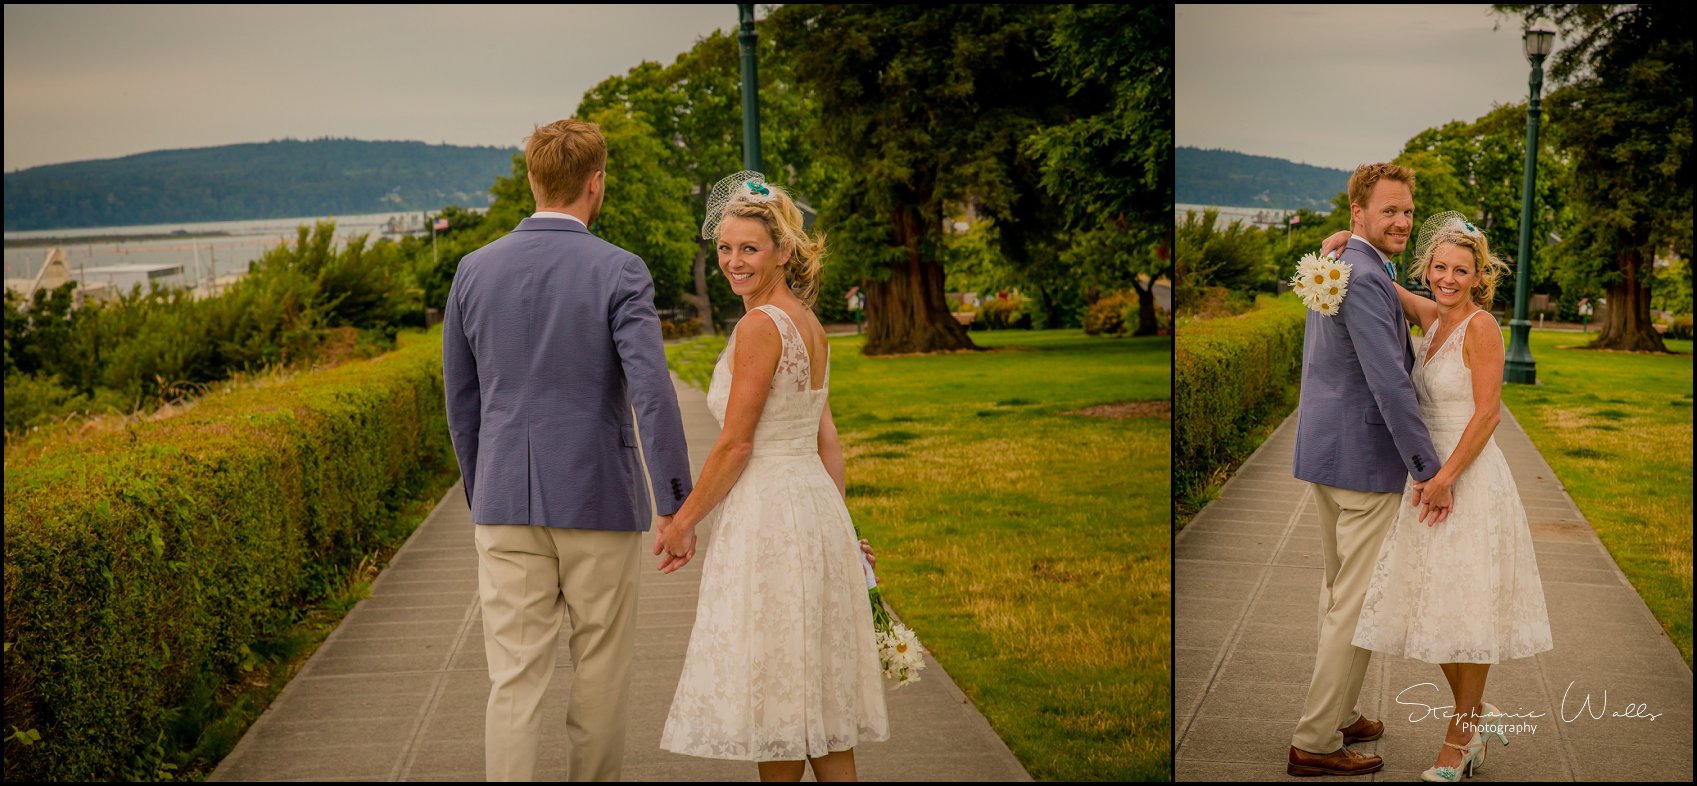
1452,275
748,257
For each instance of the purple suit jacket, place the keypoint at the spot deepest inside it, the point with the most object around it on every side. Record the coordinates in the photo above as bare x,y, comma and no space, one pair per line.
1358,424
549,339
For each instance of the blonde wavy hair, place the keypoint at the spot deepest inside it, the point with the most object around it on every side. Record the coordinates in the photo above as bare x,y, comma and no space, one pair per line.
1488,266
782,219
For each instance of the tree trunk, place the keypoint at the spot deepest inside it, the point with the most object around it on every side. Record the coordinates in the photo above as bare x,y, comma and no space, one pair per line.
1628,325
1146,325
702,303
908,313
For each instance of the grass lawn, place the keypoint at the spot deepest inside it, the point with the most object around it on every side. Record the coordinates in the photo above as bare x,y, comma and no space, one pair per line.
1616,427
1029,549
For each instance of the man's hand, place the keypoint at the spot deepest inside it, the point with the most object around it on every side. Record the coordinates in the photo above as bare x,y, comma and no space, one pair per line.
1434,498
660,525
675,542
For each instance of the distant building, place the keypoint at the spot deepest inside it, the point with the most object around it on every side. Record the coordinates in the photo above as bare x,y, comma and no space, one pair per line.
1263,217
126,277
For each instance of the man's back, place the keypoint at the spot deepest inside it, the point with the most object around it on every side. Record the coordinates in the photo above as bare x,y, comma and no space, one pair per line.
550,338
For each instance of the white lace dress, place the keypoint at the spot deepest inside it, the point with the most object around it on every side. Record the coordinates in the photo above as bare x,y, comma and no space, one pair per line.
782,664
1466,590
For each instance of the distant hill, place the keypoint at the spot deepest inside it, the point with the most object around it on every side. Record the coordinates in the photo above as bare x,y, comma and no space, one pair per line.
1225,178
280,179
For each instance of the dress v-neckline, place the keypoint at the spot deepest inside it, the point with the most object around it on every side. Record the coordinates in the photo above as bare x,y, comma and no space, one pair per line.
1428,352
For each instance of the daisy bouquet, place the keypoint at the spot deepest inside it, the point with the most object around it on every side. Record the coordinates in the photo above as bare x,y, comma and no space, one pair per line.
1321,282
899,651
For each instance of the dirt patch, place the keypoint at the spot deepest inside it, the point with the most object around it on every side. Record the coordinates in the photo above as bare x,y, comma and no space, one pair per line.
1128,409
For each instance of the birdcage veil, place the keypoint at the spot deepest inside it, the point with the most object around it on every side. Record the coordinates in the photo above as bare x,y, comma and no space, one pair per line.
1429,231
745,186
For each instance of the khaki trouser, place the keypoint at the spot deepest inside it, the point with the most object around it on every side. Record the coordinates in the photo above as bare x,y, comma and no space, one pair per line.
529,579
1353,525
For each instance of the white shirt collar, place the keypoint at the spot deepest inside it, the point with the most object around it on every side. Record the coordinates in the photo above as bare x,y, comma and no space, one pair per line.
1382,257
553,214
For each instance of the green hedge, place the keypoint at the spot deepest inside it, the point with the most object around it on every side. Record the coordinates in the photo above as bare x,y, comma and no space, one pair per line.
1230,376
144,561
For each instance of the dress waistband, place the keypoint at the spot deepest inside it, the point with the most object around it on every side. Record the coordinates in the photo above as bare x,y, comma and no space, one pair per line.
809,447
1446,421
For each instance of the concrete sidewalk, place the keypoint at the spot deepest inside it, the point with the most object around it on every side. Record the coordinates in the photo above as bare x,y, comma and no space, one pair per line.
1247,574
397,692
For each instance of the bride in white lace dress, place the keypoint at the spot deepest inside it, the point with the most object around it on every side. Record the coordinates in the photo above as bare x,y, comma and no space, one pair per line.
782,666
1464,591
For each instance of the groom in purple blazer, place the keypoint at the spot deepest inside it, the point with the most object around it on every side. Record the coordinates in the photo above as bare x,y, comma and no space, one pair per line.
549,342
1358,438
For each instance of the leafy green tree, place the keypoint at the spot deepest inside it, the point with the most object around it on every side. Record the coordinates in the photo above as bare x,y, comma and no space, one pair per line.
1623,118
694,110
647,207
1673,287
1234,257
922,107
974,262
1476,168
1110,165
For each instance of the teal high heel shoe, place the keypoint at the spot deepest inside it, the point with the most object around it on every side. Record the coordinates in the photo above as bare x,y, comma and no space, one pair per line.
1473,755
1493,727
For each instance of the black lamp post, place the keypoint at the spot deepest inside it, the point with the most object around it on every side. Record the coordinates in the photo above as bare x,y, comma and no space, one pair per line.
1519,366
750,90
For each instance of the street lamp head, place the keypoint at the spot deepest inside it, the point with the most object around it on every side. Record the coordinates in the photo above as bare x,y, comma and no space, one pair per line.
1538,44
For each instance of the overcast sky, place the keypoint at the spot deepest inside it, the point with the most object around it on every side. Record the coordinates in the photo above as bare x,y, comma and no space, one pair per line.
1339,85
85,82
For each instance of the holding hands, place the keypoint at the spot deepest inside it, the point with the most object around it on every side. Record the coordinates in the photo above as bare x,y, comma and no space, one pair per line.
1434,498
675,541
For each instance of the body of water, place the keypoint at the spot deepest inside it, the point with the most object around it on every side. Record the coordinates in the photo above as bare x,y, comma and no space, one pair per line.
228,250
1265,217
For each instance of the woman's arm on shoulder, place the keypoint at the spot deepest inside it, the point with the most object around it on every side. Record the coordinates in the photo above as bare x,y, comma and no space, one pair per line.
1420,310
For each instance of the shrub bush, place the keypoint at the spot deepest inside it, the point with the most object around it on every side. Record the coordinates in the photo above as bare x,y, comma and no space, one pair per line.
1680,327
1230,376
1112,315
143,561
1015,312
137,347
684,328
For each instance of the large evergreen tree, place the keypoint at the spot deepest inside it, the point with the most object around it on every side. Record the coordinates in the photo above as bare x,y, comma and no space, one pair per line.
1623,117
922,111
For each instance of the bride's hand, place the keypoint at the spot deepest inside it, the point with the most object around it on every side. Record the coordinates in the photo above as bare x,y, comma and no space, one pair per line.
871,559
1334,243
676,542
1434,498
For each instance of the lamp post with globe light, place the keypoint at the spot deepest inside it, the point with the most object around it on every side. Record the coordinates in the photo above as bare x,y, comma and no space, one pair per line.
1519,366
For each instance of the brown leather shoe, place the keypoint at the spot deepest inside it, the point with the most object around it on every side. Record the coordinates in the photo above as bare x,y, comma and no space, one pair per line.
1343,761
1362,730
